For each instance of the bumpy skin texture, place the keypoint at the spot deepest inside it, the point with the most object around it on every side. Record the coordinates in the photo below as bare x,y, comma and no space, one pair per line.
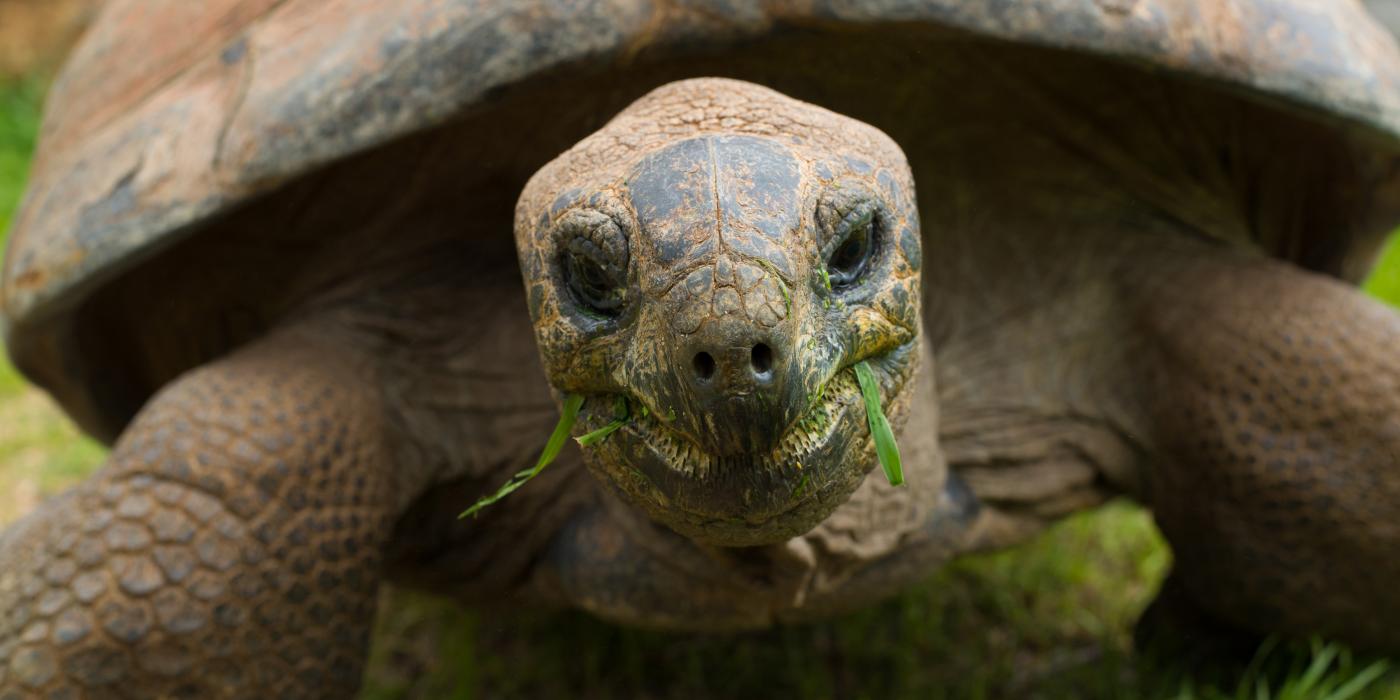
231,547
719,210
1276,397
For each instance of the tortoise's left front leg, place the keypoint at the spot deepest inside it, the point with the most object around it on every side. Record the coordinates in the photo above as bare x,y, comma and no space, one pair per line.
1274,395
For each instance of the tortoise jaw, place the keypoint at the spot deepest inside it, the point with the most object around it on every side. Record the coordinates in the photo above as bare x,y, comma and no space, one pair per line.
800,441
746,499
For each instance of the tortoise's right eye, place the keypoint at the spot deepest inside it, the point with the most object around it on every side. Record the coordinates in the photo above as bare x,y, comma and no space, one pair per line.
593,262
594,284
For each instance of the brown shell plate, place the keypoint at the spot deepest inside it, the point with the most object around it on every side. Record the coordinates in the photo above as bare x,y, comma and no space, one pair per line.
173,114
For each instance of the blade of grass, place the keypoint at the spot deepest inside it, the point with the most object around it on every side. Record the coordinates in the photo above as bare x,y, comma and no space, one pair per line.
1249,679
1323,654
885,446
572,403
801,487
619,419
1360,681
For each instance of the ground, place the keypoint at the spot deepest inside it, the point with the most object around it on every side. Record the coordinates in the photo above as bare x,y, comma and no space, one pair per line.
1049,619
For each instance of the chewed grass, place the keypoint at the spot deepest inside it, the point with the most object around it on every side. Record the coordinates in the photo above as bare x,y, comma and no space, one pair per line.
552,446
886,449
557,439
1051,619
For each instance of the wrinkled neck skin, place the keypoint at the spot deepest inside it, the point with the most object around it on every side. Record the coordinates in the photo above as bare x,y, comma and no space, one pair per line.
706,271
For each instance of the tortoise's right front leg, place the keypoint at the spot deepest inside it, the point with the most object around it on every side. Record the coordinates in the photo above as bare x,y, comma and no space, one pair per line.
230,547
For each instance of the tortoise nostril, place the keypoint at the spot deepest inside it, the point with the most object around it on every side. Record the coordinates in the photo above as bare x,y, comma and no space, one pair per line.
704,365
762,358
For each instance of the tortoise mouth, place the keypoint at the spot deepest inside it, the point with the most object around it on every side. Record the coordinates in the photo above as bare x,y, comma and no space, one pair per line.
750,498
812,429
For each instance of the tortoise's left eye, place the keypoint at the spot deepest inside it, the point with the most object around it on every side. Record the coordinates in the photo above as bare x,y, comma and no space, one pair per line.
851,258
853,241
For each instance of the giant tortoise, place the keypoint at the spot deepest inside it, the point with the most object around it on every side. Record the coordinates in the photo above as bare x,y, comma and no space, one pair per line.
265,254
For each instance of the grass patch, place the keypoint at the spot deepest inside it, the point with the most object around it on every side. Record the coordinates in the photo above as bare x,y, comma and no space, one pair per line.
1052,619
1315,670
41,452
1384,281
19,126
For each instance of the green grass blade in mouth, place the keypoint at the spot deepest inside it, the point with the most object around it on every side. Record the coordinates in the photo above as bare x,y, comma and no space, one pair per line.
620,417
572,403
880,430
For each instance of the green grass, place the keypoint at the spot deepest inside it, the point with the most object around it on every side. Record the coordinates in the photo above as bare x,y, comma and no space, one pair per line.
40,450
19,123
557,439
1049,619
885,446
1052,619
1384,282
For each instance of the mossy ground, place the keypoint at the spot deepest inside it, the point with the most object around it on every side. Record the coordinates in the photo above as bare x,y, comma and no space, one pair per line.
1051,619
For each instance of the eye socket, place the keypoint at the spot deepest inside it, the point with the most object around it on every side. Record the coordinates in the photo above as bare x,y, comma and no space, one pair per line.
851,257
593,283
593,262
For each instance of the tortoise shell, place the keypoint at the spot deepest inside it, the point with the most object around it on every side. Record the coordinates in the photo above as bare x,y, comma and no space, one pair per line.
196,157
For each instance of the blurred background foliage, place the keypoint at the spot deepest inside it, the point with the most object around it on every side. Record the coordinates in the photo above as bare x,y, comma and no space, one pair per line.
1052,618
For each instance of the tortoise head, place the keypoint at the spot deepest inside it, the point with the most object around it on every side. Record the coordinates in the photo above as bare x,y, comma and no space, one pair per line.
706,270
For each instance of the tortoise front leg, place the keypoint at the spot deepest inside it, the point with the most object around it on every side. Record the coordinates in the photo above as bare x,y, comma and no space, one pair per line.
230,547
1275,395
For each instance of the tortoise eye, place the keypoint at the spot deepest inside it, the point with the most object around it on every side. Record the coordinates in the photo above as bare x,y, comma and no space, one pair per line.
851,257
850,222
594,284
593,262
853,252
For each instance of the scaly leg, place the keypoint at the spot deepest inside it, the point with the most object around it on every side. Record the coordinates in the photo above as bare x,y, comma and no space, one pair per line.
1275,398
230,547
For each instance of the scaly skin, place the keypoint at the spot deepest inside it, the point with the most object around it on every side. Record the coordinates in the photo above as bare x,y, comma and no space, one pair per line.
1275,398
231,546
